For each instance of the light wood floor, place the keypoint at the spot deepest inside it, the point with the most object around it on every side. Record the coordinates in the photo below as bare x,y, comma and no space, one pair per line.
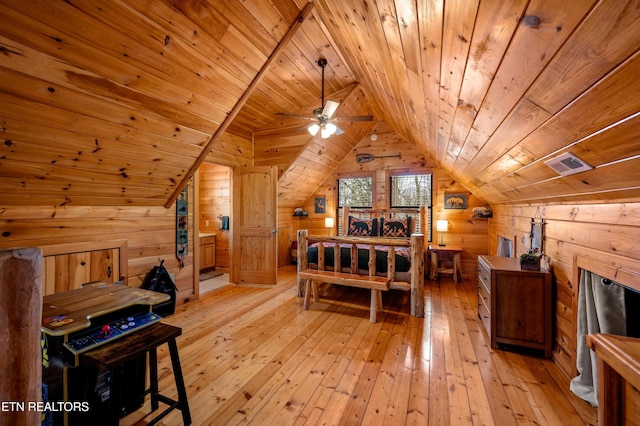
253,355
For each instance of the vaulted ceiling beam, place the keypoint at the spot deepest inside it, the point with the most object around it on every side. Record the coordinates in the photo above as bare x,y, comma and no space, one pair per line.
243,99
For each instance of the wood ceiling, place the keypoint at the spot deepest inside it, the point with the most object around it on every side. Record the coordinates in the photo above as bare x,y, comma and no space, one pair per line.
118,102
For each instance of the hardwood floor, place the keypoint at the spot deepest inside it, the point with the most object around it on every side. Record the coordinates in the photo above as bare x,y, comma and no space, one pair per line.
253,355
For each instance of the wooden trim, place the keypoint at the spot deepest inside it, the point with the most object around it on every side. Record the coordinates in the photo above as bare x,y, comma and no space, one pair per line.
197,261
613,270
208,147
68,248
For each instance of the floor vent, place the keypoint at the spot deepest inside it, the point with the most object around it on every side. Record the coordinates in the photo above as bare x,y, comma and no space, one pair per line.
567,164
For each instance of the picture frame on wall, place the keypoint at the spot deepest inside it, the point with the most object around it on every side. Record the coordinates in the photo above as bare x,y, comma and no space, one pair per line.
320,205
456,201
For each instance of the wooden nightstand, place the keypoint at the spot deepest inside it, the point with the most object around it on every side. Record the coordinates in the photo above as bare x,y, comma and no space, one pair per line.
448,252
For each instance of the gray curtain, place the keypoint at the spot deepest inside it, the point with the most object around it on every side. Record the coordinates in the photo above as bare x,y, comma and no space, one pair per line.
601,309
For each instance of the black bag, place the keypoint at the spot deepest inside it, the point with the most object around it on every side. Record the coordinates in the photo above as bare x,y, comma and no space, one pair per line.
158,279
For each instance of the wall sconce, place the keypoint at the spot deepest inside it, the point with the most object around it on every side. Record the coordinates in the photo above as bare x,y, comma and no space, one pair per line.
328,223
442,226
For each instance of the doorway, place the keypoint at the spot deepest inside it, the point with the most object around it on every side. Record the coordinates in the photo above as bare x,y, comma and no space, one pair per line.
212,239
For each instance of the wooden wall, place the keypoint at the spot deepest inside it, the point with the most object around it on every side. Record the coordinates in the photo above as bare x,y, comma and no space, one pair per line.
215,202
149,231
469,232
606,232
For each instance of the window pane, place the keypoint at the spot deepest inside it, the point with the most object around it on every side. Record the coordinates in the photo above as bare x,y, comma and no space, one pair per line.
355,192
411,191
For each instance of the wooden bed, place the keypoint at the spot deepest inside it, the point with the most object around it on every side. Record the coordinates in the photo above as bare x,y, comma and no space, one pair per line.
376,249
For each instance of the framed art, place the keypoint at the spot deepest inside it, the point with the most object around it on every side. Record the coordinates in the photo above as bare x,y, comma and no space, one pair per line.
455,201
320,205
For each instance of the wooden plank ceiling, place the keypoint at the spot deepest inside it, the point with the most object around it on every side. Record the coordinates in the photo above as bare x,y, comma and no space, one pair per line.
116,102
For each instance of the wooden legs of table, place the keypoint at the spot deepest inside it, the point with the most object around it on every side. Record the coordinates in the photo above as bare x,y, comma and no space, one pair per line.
433,268
456,269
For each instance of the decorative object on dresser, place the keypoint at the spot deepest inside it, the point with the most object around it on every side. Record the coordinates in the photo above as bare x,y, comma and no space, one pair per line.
530,261
515,306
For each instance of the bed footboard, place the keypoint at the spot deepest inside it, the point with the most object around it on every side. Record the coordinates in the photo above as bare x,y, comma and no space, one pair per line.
415,243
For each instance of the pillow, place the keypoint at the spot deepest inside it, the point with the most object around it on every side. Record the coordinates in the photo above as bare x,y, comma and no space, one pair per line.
362,227
396,227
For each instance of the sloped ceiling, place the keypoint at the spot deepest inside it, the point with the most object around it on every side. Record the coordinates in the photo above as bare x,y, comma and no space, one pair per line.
117,102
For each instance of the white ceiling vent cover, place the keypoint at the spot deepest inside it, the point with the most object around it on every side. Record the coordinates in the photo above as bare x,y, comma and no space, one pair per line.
567,164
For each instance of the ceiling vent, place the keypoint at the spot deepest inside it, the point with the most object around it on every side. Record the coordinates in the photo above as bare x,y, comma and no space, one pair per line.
567,164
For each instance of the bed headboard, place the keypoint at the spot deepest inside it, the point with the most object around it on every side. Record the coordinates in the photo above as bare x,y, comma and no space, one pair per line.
417,215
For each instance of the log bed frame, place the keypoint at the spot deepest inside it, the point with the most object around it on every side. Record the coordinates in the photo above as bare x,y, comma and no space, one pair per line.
309,277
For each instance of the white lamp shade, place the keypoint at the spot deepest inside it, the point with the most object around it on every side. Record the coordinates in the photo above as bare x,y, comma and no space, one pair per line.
328,222
442,225
313,129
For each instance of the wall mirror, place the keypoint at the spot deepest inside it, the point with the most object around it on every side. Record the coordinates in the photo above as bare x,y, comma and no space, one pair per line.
537,234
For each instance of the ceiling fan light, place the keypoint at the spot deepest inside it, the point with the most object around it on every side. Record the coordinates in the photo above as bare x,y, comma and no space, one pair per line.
325,132
331,128
313,129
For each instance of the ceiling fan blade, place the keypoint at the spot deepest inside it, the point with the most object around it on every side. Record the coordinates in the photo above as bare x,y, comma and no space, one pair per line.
284,114
339,131
354,118
330,108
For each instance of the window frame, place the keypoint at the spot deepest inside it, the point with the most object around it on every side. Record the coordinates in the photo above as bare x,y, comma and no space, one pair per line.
429,208
339,218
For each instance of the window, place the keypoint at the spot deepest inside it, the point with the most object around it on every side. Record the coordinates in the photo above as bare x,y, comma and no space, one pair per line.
412,191
354,192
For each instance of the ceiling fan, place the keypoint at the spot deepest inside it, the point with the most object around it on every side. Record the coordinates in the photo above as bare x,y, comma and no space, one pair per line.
323,115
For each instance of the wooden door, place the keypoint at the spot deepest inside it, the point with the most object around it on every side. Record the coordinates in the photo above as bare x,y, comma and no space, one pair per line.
254,225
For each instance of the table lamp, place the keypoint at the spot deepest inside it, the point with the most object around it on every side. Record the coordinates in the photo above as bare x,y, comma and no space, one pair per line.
328,223
442,226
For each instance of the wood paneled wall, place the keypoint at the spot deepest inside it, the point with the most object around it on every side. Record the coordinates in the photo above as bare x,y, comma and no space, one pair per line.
469,232
215,202
607,232
149,231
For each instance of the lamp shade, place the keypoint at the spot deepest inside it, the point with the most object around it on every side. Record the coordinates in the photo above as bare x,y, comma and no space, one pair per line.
328,222
442,225
313,129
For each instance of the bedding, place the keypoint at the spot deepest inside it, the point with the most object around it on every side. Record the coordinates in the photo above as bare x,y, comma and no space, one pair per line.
402,254
395,227
362,227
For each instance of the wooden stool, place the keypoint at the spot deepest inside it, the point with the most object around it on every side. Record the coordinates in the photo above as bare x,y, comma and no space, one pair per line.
114,355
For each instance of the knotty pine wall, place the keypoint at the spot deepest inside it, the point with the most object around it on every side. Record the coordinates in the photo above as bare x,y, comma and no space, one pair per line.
214,202
470,233
149,230
600,231
150,233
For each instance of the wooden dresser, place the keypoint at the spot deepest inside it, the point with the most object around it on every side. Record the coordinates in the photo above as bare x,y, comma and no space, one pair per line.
515,306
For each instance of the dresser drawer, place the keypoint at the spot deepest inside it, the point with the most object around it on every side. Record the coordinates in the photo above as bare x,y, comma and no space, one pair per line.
484,276
484,296
485,316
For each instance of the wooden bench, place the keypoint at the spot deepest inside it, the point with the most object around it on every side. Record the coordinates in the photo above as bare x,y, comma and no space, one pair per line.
312,277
